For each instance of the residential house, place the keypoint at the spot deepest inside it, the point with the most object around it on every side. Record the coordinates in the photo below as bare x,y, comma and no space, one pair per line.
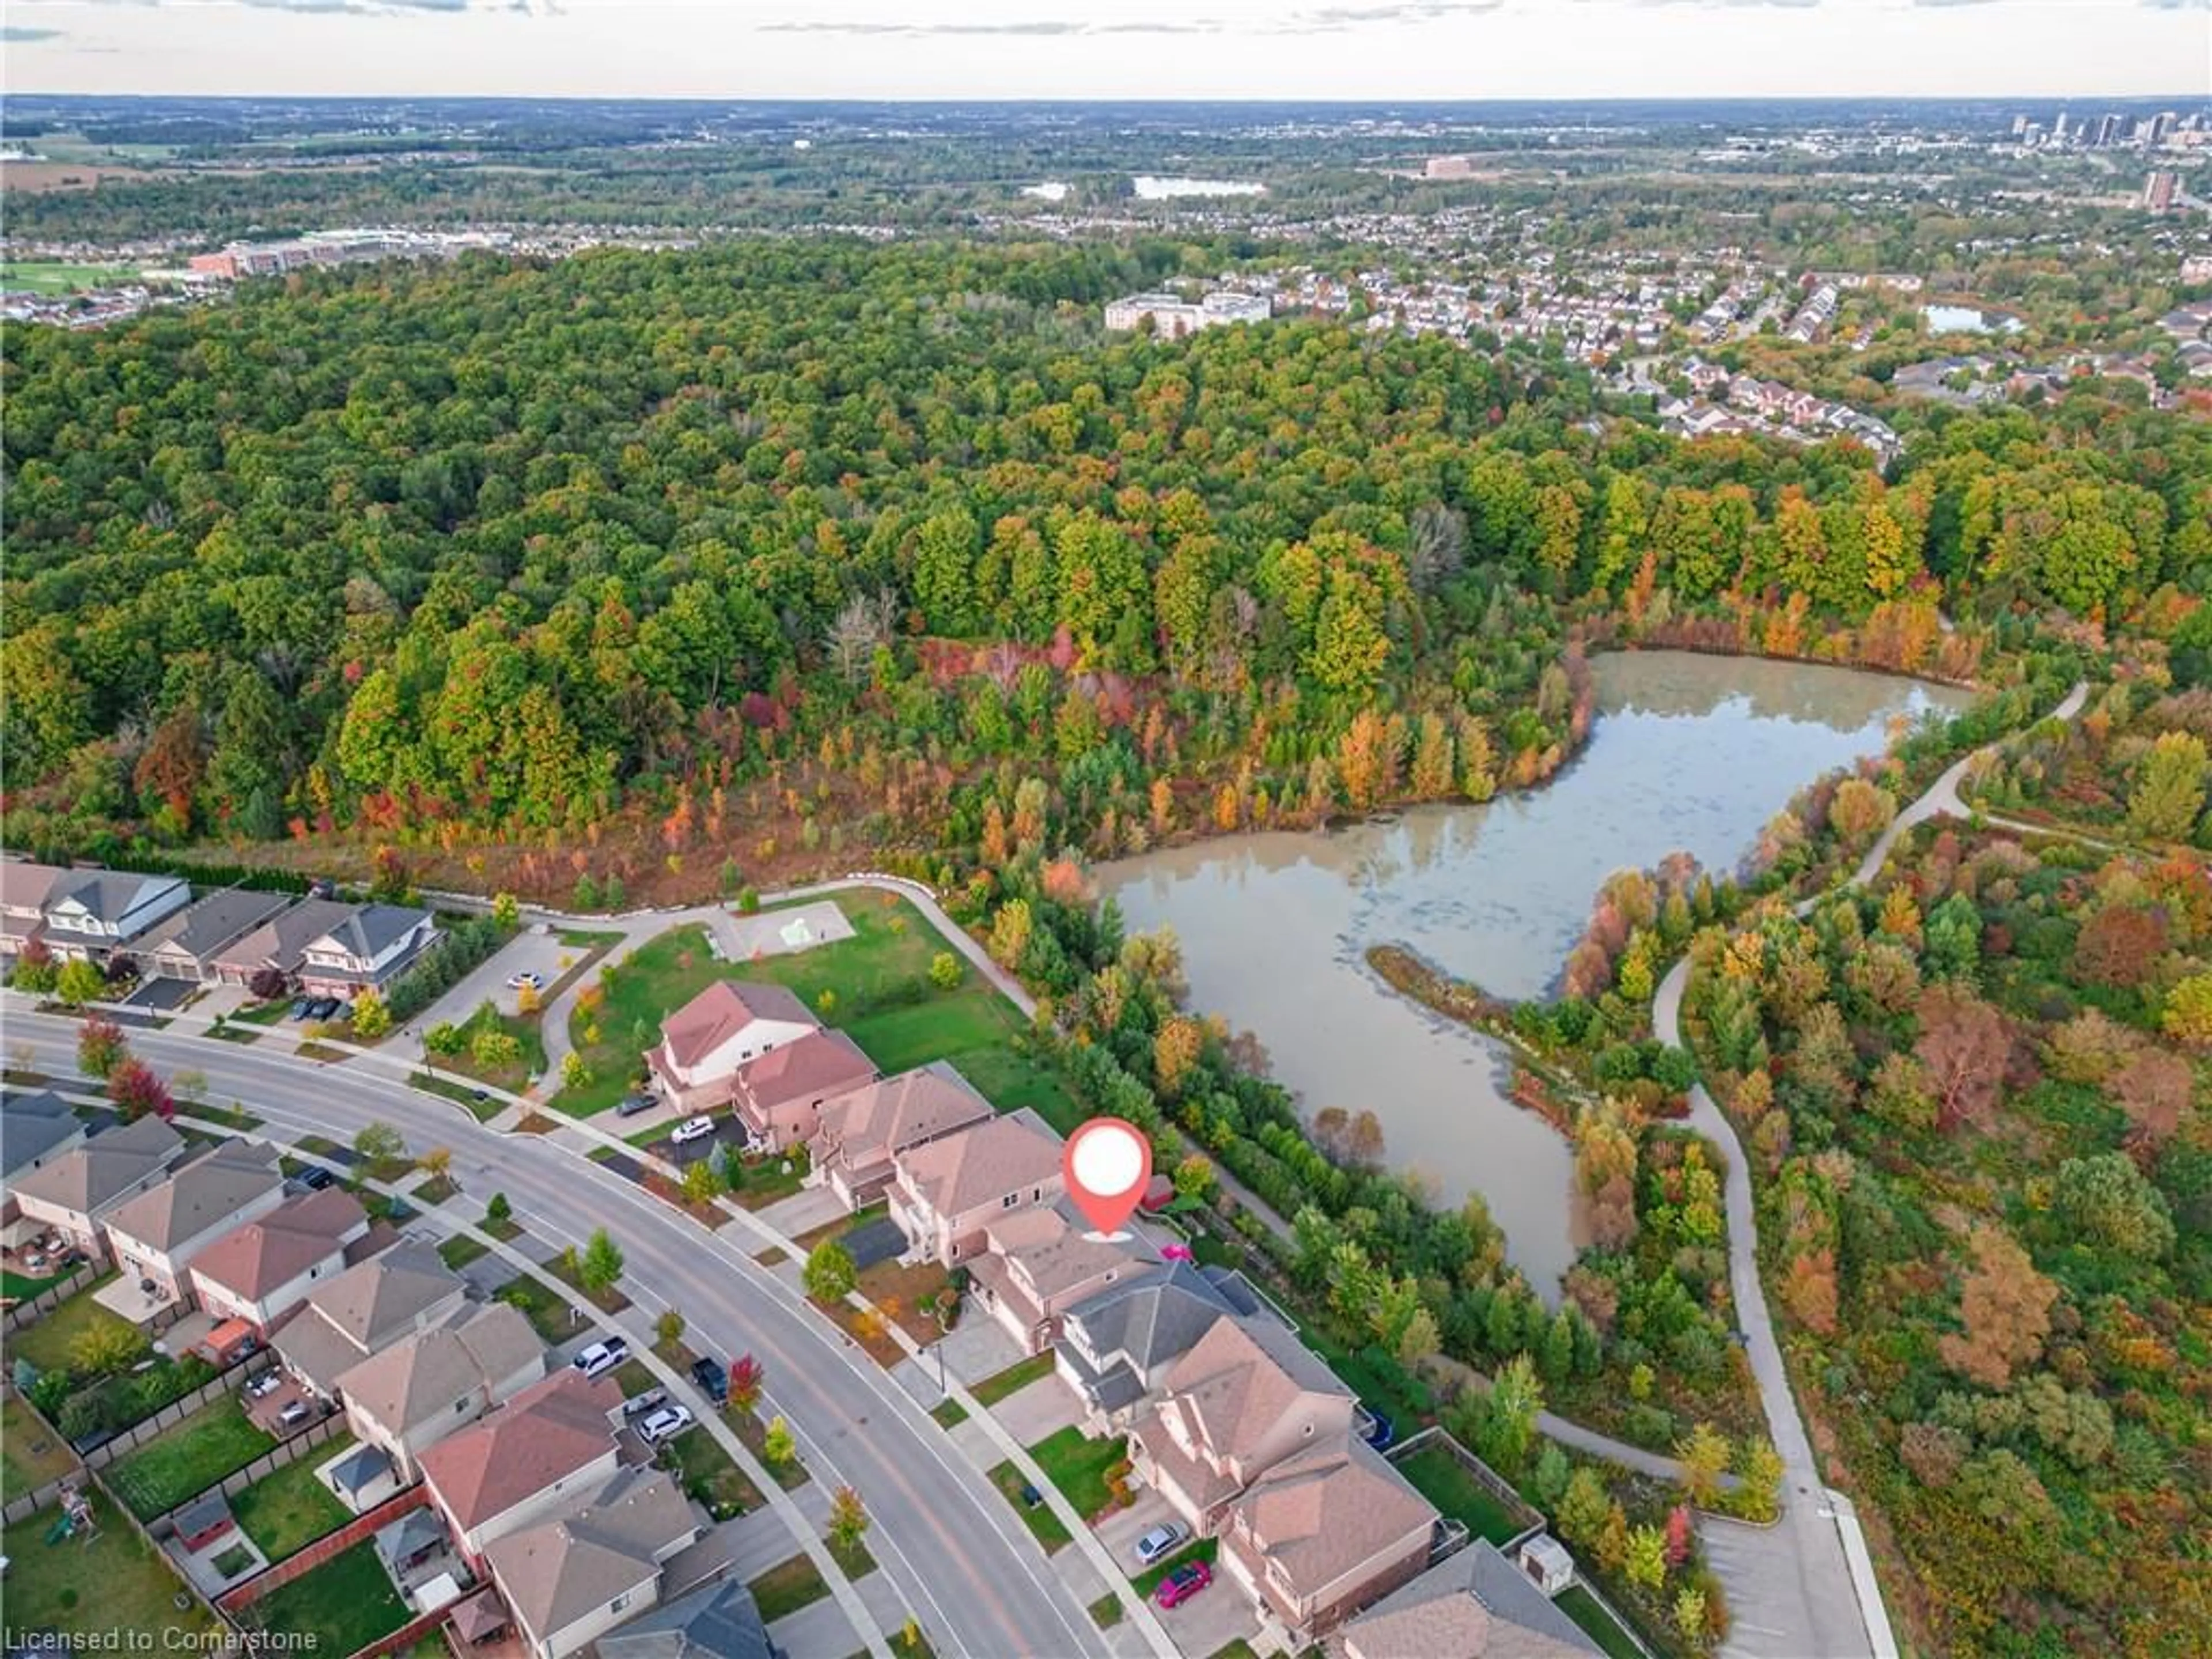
704,1042
364,1310
437,1381
1115,1349
1034,1264
569,1579
864,1129
716,1621
366,951
280,944
185,944
35,1129
23,890
156,1235
75,1193
526,1463
945,1191
1246,1396
1472,1605
780,1094
257,1274
1321,1534
92,913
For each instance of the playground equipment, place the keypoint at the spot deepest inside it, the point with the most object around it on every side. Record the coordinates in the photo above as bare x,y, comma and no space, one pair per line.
75,1519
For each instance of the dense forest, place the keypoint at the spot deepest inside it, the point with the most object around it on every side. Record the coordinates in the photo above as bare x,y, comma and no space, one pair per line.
840,542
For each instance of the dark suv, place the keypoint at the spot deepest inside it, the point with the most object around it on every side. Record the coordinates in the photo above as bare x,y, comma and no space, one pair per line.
714,1378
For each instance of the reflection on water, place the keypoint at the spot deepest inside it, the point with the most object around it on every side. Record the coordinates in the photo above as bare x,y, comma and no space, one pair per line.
1688,751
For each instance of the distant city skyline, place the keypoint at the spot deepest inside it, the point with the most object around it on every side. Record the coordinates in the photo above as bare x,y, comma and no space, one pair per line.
1364,49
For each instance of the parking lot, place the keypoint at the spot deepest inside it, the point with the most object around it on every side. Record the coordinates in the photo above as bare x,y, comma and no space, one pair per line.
529,951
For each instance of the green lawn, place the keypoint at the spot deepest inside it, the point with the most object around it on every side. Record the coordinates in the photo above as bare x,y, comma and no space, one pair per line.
1198,1549
291,1508
47,1343
1078,1467
1579,1605
117,1581
709,1474
991,1390
549,1316
1106,1612
884,1001
45,278
1044,1526
181,1462
949,1413
31,1454
461,1094
21,1287
340,1607
459,1250
784,1589
1440,1478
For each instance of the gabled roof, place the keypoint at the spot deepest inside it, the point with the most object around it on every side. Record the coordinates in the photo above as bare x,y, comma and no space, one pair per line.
24,886
722,1011
816,1066
981,1164
104,1166
1243,1377
716,1621
878,1120
285,935
557,1571
551,1429
1155,1316
379,1299
1056,1254
264,1256
106,896
424,1376
201,1194
372,929
1323,1513
1473,1605
33,1125
199,931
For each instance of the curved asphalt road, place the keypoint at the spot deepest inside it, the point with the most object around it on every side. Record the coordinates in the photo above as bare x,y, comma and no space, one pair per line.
958,1552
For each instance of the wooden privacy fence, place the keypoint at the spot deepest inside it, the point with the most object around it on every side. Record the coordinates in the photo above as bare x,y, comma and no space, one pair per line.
125,1441
33,1308
236,1600
163,1527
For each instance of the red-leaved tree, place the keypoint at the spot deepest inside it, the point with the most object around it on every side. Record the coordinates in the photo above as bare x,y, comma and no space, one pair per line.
133,1086
1964,1045
101,1047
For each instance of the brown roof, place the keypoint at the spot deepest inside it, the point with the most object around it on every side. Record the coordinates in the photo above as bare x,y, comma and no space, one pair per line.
557,1571
425,1375
878,1120
549,1430
981,1164
264,1256
285,938
1325,1513
817,1065
1054,1254
200,1193
721,1011
1240,1379
25,886
93,1173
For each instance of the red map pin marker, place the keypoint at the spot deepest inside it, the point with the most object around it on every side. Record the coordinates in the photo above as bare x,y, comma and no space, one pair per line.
1107,1165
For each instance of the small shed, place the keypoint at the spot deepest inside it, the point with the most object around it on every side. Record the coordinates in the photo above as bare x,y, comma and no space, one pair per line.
204,1521
228,1342
1546,1560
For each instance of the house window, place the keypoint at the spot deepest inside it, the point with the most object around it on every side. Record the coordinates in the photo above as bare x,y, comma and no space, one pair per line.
1010,1200
619,1602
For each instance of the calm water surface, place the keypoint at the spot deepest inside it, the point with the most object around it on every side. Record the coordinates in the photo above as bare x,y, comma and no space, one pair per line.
1688,751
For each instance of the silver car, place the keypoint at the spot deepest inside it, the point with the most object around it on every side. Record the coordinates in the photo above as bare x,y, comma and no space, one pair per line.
1161,1540
668,1421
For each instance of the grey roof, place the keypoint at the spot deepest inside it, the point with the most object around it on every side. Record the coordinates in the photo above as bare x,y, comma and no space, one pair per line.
418,1529
106,895
199,1514
1156,1316
91,1178
1503,1589
374,929
204,1194
199,931
284,936
378,1300
31,1126
360,1468
554,1573
717,1621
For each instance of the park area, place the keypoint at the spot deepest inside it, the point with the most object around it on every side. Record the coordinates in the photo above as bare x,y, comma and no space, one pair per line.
876,986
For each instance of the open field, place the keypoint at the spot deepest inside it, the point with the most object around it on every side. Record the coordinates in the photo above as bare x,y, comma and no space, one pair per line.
19,275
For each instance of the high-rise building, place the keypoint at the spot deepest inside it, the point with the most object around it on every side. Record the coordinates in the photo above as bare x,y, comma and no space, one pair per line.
2108,129
2058,128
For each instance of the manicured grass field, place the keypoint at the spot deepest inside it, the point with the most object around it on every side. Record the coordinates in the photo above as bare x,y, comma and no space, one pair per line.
1044,1526
883,1000
1598,1626
31,1454
709,1474
117,1581
47,1343
784,1589
180,1462
340,1607
40,278
1078,1467
991,1390
291,1508
1440,1478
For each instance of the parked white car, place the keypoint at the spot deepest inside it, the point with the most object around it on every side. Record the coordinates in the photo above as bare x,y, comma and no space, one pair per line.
668,1421
602,1357
525,980
697,1128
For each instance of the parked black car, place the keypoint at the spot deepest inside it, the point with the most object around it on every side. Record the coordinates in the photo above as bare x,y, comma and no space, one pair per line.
315,1178
302,1007
713,1378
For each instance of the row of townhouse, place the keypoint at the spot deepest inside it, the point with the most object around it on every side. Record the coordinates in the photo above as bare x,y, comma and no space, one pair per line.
324,946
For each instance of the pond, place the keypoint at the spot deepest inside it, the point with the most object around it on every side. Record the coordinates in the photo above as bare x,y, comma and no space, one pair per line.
1969,319
1688,751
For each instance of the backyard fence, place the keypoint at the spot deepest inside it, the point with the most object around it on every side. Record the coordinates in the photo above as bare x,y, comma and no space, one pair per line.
128,1440
33,1308
1530,1519
23,1508
163,1527
238,1597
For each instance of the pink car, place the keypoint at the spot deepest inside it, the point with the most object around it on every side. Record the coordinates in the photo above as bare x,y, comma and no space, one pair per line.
1185,1582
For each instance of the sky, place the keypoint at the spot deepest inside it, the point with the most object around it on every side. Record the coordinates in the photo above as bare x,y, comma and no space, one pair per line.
972,49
